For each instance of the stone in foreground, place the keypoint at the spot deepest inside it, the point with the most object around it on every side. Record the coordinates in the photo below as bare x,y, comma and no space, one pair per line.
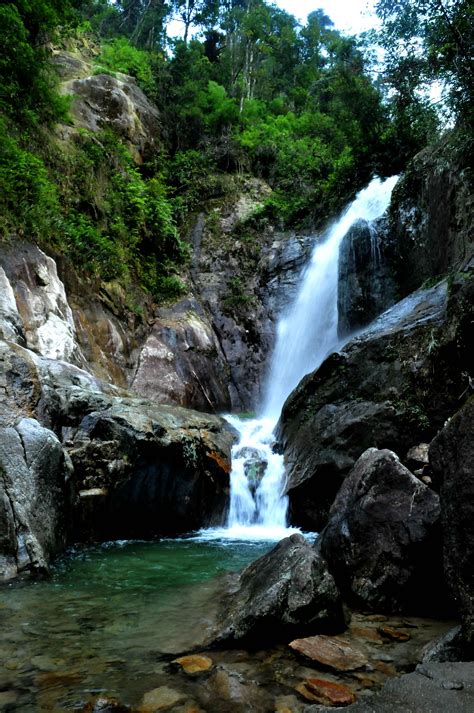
333,652
194,664
284,593
432,688
382,542
328,693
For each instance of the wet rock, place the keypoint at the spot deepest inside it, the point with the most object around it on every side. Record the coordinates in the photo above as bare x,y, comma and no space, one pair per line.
429,228
285,592
255,466
432,687
164,469
233,692
8,699
393,634
393,386
158,468
365,288
326,692
160,699
449,647
452,461
334,652
104,704
382,541
194,664
32,498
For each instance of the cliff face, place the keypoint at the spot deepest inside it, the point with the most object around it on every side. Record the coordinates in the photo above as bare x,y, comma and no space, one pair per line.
429,231
397,382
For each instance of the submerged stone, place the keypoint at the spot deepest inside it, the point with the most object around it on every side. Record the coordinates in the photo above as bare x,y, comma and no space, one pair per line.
194,664
160,699
325,692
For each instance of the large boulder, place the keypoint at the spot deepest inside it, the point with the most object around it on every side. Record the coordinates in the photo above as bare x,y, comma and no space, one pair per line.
181,361
139,469
382,542
102,101
32,498
284,594
392,387
142,470
452,460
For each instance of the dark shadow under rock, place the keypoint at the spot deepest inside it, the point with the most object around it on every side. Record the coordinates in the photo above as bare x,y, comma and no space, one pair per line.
452,460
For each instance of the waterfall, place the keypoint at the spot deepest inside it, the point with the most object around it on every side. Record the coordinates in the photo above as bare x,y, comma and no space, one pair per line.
307,333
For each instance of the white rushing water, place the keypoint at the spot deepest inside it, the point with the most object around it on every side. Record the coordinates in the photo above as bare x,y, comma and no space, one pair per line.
306,335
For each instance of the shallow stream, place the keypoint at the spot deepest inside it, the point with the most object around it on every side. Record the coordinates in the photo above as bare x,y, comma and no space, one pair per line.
106,617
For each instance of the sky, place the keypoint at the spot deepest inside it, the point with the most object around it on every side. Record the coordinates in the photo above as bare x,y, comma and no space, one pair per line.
349,16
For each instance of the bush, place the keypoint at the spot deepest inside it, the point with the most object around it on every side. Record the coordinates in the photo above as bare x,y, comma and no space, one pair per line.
120,56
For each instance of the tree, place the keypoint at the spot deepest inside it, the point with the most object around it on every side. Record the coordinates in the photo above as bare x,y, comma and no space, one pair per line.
430,40
26,79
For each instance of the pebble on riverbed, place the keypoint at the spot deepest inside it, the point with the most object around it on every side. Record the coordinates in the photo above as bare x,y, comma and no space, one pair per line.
194,664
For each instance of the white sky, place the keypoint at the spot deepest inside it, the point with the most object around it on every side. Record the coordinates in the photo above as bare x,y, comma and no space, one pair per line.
349,16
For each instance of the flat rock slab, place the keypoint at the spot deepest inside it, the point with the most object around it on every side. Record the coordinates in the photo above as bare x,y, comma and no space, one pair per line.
333,652
432,688
325,692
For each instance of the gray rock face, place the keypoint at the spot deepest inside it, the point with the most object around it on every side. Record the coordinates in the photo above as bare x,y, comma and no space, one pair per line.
432,688
449,647
452,460
429,231
365,288
32,498
243,281
382,541
117,103
142,470
392,387
283,594
139,469
182,362
34,310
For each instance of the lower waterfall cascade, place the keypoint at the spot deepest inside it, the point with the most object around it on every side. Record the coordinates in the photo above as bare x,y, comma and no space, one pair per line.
307,332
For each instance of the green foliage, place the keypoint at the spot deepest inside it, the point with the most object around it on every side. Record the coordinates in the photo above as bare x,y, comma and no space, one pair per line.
119,55
260,94
28,198
426,41
26,78
236,297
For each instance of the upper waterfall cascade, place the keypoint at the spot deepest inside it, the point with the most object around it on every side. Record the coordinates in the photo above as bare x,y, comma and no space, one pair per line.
307,333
